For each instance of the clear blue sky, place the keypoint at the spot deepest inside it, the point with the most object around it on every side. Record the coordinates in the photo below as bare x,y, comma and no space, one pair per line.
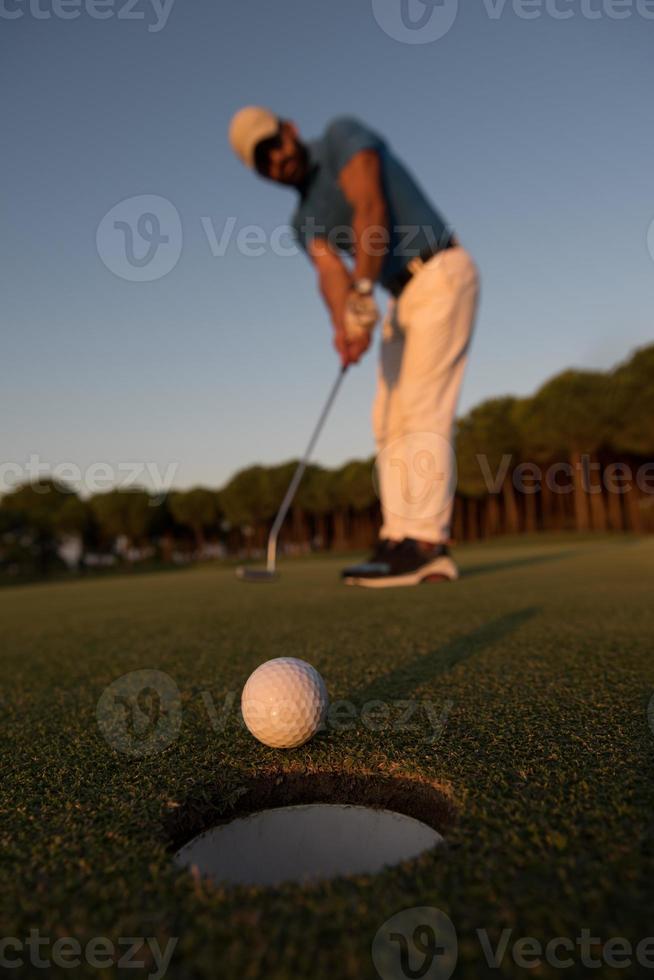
534,137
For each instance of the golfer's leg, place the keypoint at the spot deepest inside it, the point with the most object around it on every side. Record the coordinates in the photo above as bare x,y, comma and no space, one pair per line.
387,417
437,313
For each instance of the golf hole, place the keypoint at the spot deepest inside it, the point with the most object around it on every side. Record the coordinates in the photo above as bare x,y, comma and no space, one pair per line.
310,827
306,843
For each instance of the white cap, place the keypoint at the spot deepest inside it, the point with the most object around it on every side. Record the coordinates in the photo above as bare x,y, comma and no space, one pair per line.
250,126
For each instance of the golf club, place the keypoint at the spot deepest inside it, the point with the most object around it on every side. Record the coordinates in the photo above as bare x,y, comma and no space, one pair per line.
269,573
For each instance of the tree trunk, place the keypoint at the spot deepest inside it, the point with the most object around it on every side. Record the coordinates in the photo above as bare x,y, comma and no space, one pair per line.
530,495
340,533
561,508
167,545
582,517
198,533
298,526
372,528
551,512
616,520
458,530
632,507
511,517
321,531
596,498
363,531
491,516
530,513
472,529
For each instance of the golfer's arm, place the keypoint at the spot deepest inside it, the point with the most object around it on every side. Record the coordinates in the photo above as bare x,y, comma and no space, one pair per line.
361,182
334,278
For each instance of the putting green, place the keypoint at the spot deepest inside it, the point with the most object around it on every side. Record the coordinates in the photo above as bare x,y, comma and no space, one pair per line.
519,696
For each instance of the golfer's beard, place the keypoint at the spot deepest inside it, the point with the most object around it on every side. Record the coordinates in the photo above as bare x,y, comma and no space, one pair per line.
303,168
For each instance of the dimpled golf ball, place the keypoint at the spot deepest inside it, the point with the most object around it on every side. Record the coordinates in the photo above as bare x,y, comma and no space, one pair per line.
284,702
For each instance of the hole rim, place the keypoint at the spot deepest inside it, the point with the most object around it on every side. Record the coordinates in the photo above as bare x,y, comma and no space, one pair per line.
238,794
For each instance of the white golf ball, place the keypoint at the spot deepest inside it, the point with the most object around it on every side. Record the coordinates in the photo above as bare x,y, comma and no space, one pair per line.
284,702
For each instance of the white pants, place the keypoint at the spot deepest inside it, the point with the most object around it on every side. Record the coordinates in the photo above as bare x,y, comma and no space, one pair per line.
425,340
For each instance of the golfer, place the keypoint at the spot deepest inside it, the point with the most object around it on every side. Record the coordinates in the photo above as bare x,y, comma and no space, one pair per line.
364,221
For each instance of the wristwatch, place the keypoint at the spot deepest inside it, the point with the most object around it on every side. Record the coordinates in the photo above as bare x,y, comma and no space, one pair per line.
364,287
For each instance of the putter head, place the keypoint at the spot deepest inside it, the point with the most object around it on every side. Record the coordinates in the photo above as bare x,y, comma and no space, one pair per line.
255,574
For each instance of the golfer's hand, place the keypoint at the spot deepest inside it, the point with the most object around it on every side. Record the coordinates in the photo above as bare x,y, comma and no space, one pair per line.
351,350
361,314
354,327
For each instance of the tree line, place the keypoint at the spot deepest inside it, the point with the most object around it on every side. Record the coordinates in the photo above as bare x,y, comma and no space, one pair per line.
577,455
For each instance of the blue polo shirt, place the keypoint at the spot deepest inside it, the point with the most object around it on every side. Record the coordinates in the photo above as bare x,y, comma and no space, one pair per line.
324,212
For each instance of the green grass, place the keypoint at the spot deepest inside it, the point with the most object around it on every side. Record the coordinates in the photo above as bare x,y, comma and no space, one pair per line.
541,657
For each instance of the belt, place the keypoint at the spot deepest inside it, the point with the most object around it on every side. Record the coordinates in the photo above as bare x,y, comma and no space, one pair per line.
415,264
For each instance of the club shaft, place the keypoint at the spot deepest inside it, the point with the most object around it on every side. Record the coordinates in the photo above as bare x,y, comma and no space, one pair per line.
297,476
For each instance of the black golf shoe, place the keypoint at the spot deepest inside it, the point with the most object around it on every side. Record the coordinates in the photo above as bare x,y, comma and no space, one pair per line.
377,562
407,562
